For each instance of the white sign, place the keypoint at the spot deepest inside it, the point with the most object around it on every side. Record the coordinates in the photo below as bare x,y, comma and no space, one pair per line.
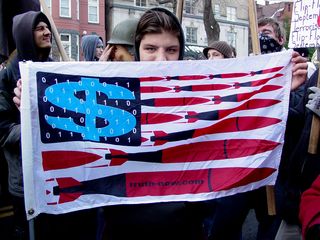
305,24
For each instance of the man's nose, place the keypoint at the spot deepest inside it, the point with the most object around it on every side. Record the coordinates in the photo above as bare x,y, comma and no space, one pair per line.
47,31
161,56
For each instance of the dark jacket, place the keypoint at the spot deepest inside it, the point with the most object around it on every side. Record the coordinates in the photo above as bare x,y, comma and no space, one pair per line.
301,168
10,134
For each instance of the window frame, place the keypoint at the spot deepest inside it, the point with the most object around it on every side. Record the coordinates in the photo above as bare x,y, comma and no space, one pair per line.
69,9
64,43
192,35
96,5
231,14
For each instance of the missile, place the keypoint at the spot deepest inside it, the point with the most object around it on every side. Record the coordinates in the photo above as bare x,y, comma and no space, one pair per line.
53,160
234,124
163,183
196,152
172,102
154,89
219,114
244,96
157,118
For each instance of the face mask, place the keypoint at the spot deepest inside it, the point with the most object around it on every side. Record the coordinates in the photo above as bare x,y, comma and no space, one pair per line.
268,44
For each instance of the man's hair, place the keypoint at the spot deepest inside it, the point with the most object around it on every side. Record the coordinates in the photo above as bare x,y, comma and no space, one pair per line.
275,25
156,22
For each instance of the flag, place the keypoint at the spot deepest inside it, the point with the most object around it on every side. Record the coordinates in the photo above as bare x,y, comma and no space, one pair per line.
96,134
9,9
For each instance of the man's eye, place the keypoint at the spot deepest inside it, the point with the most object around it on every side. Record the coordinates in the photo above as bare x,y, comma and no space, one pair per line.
41,28
172,50
150,49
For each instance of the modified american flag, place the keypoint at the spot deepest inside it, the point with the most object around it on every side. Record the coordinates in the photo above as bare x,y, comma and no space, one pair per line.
96,134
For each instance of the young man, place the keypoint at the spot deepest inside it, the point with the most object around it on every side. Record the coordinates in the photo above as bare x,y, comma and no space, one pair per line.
91,47
32,36
218,50
121,44
159,37
229,213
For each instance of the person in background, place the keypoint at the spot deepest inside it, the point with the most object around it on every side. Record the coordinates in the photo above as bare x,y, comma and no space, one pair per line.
218,50
91,47
159,37
121,44
32,36
229,213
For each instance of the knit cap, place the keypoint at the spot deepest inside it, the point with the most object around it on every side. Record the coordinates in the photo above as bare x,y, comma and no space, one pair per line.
221,46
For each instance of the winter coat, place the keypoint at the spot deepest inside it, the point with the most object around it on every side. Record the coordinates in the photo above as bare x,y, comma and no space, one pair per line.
10,134
301,167
310,207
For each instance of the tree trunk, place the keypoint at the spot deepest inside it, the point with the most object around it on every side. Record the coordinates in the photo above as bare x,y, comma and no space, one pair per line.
210,23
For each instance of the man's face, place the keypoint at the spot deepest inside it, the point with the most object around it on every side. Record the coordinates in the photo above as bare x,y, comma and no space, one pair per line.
99,49
269,31
42,35
214,54
121,54
159,47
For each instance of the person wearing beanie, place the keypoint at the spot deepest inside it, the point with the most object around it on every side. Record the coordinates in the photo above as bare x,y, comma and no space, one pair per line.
218,50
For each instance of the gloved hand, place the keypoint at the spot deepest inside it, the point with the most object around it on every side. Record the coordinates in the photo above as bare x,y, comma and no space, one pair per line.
313,233
314,100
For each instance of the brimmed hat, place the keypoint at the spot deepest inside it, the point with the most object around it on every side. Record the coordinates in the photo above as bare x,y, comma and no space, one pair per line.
221,46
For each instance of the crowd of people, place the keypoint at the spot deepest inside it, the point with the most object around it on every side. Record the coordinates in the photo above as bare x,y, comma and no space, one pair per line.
158,36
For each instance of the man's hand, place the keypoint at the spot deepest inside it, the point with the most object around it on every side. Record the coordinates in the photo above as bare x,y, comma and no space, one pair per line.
17,91
299,70
314,100
107,54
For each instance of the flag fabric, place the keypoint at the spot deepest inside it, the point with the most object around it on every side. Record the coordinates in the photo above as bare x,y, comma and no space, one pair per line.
105,133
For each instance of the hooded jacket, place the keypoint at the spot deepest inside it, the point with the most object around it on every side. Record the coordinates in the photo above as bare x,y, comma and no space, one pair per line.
88,46
181,38
10,134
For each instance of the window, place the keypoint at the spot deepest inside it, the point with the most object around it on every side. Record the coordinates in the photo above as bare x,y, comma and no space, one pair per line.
191,35
93,11
190,6
78,10
66,43
231,13
216,10
65,8
141,3
232,38
48,3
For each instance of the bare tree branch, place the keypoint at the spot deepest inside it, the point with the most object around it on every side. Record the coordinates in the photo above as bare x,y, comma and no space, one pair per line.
210,23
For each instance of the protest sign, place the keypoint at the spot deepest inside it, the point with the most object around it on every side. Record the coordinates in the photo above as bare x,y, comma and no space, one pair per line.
305,24
96,134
